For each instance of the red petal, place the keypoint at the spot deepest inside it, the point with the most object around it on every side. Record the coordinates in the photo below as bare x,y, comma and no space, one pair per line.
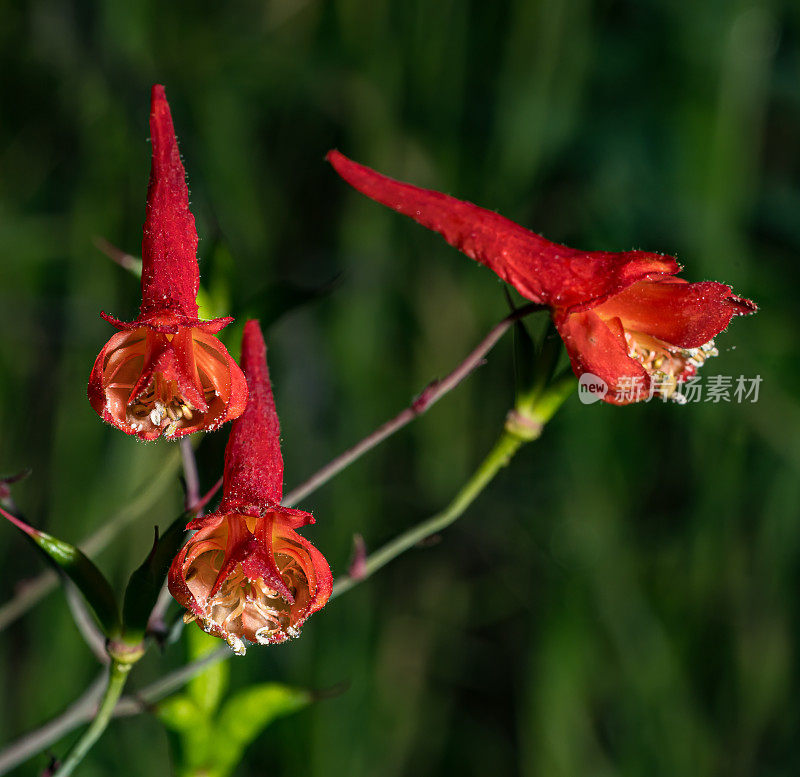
176,582
683,314
315,568
253,461
597,348
545,272
140,355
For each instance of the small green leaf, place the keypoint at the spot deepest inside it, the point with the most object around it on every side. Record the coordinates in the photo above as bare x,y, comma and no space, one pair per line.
524,359
213,746
207,688
534,365
145,583
88,579
244,716
190,733
179,713
251,710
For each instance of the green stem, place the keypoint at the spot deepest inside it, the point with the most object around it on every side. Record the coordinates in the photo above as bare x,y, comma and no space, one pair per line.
117,675
524,424
505,447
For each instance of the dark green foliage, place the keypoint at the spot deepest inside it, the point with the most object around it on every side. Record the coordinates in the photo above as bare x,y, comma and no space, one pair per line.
147,580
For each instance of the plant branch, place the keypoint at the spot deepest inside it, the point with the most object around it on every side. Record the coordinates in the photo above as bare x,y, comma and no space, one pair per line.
32,591
87,627
513,437
499,456
122,258
80,711
190,475
429,396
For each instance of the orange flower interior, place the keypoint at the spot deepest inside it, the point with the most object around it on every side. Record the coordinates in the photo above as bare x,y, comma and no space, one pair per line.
244,608
635,315
161,407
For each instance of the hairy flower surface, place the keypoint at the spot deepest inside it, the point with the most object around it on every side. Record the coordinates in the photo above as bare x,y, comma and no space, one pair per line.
623,316
166,373
247,575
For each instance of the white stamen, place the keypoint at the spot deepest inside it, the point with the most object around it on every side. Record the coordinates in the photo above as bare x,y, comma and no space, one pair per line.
236,644
262,635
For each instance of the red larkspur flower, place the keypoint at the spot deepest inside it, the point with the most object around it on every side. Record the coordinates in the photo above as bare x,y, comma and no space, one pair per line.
166,373
623,316
247,574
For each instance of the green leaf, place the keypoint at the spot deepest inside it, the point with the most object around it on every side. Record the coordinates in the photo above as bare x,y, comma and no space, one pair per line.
207,688
146,582
534,366
525,374
190,715
190,733
88,579
214,746
245,716
179,713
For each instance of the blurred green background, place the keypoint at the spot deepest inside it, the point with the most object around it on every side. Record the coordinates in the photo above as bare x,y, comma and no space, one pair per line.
623,599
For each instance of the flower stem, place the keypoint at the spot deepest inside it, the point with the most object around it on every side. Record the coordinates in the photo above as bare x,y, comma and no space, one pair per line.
117,676
533,416
429,396
190,475
499,456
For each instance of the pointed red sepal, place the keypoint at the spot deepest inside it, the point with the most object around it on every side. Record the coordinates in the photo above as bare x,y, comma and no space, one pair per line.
623,317
544,272
170,275
598,349
253,462
675,311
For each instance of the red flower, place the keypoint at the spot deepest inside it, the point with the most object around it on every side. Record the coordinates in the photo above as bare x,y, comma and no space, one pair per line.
247,574
166,373
622,316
